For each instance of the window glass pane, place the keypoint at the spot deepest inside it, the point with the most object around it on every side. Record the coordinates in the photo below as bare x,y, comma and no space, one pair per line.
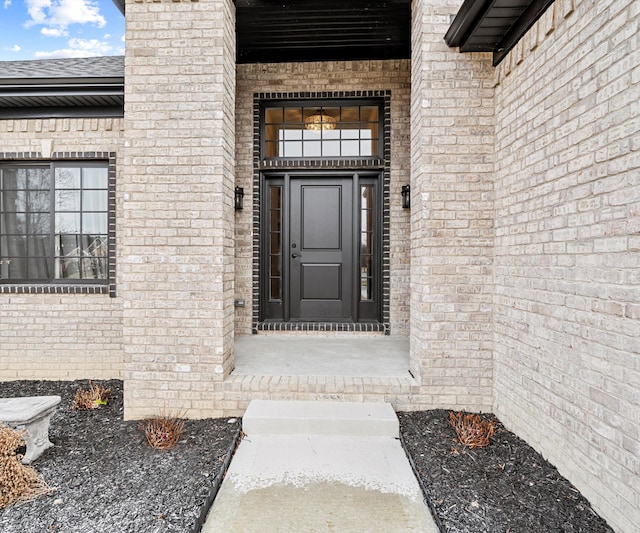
369,114
350,148
312,149
350,131
67,200
95,178
350,114
94,245
38,201
13,201
67,267
331,149
275,194
38,178
14,246
14,223
275,265
38,223
272,149
276,293
67,223
94,200
67,244
273,115
68,178
94,223
293,149
13,178
94,268
38,268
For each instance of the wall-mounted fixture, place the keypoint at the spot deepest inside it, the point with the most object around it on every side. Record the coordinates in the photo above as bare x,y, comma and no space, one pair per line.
239,195
406,196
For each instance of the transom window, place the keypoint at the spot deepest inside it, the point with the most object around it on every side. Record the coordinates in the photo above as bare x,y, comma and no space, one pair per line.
54,222
327,130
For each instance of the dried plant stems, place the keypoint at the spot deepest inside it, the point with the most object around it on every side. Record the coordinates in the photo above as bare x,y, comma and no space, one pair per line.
94,398
163,432
18,482
472,430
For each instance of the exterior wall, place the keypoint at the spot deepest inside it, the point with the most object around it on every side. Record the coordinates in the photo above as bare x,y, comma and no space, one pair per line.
331,77
567,276
176,254
451,215
61,336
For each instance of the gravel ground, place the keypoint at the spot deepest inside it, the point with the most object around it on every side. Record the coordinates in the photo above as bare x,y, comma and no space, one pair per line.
506,487
107,479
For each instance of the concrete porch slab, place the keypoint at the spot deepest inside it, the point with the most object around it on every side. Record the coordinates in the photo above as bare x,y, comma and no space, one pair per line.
314,355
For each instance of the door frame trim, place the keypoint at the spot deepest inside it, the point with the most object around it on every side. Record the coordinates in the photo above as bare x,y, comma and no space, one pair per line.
381,165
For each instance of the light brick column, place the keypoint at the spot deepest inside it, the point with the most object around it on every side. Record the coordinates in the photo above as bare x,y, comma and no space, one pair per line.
176,236
451,214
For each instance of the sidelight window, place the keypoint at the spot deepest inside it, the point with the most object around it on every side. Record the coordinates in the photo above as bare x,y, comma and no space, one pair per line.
54,222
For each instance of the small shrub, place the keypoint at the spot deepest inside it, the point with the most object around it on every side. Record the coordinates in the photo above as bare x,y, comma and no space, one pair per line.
94,398
18,482
472,430
163,432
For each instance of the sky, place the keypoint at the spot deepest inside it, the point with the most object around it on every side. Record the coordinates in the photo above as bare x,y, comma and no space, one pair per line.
48,29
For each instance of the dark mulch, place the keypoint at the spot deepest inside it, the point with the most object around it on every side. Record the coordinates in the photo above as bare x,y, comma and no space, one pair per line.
108,479
506,487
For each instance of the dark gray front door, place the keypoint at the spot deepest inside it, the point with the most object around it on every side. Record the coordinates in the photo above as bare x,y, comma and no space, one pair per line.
321,249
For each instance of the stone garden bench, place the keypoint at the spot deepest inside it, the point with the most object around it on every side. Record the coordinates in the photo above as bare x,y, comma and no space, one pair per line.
30,414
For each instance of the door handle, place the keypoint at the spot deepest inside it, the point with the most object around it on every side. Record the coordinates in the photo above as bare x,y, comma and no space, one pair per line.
295,254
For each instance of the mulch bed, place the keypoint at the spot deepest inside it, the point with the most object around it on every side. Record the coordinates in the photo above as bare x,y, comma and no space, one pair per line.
506,487
108,479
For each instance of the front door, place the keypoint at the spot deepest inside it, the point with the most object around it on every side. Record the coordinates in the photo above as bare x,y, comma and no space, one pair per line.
319,241
321,249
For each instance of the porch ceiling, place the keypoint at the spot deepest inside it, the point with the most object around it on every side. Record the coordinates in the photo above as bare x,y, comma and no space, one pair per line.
316,30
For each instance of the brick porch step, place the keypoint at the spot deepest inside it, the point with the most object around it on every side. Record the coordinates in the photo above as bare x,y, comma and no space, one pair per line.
352,419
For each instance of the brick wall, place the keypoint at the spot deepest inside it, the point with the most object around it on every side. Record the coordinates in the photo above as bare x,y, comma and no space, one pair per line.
567,267
451,215
330,77
61,336
176,257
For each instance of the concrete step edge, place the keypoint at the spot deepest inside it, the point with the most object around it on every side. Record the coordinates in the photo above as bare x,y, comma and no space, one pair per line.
280,417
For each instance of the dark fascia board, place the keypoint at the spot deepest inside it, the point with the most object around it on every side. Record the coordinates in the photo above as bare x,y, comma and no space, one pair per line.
533,12
470,13
470,16
85,90
120,5
61,112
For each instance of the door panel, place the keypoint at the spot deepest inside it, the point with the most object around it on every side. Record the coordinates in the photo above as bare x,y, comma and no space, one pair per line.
321,249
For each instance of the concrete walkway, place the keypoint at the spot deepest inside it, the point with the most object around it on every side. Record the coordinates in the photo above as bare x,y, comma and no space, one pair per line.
319,467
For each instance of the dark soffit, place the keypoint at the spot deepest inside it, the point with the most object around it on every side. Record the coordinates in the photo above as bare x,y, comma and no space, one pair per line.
314,30
493,25
92,86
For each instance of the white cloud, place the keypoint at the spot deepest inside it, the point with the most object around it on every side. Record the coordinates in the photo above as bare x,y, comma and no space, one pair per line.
62,13
54,32
78,48
7,3
14,48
